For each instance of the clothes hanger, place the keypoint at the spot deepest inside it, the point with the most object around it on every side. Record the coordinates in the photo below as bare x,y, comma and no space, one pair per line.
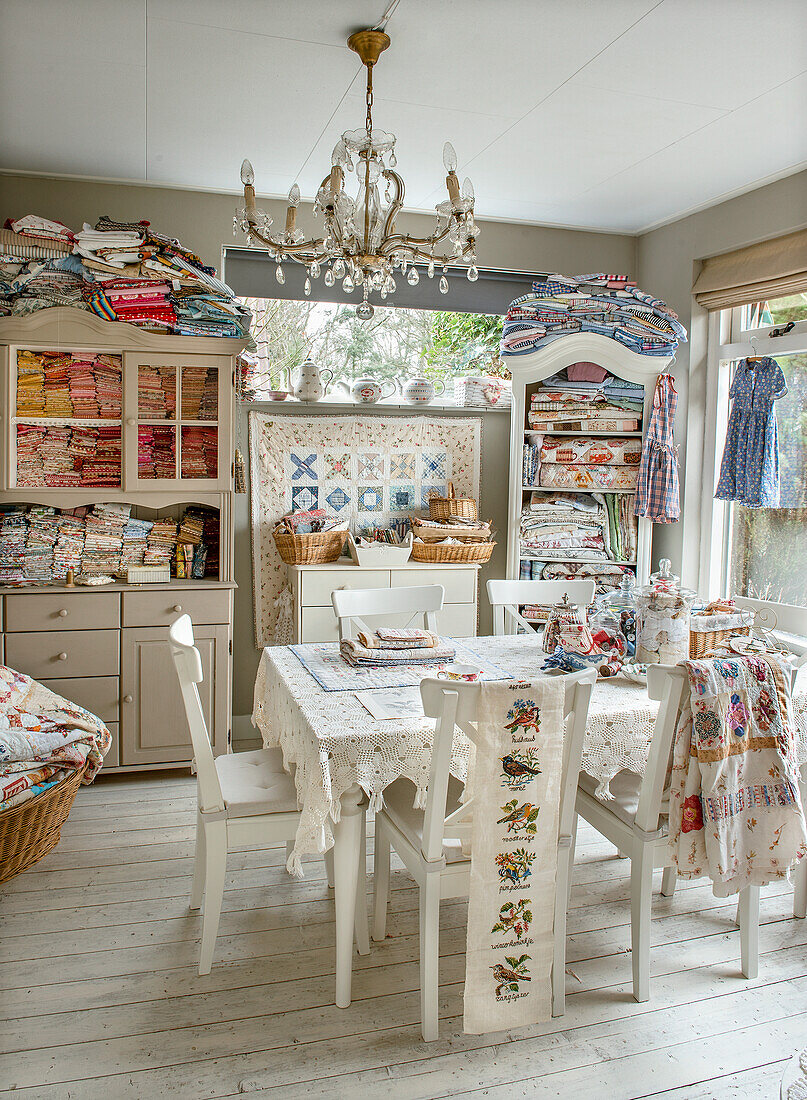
751,360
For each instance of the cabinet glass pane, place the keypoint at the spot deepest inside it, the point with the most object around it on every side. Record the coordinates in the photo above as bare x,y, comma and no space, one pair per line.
200,387
66,456
68,385
156,452
156,392
200,449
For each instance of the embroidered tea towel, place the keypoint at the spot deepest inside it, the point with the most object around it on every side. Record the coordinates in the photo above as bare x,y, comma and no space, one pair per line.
516,798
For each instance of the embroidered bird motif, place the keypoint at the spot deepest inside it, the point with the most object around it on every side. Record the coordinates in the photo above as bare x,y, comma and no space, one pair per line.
516,769
517,817
505,977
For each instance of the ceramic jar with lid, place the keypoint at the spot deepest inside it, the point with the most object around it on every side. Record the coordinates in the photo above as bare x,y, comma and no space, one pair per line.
567,627
662,618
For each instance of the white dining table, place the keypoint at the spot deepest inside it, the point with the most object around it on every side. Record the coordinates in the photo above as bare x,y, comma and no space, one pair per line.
343,758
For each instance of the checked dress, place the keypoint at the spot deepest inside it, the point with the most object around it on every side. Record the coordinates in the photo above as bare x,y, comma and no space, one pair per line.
657,484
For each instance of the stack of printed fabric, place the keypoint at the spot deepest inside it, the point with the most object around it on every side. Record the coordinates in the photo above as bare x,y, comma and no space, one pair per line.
156,392
199,452
610,305
103,540
120,271
108,377
58,465
135,536
40,539
30,384
57,385
98,455
13,527
161,542
607,577
156,457
561,527
397,647
30,470
83,396
70,543
588,463
210,538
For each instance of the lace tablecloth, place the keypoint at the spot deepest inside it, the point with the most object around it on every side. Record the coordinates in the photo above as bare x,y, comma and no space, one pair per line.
334,743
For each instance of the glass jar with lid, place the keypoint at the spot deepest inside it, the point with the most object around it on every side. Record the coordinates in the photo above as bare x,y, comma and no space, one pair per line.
613,620
662,628
567,627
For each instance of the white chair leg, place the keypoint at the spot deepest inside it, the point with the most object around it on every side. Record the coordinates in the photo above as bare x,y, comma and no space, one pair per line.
559,933
800,893
641,897
198,883
215,868
380,879
362,926
572,847
329,867
429,956
749,931
668,880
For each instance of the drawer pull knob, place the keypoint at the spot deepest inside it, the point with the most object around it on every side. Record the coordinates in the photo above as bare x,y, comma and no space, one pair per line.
177,607
63,613
127,698
62,656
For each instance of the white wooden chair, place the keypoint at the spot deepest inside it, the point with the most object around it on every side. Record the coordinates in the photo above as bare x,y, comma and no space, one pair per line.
635,821
507,596
244,798
430,841
420,602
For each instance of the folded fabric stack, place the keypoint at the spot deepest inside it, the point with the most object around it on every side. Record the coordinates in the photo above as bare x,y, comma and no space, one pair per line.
122,271
199,393
561,527
135,535
408,648
103,540
156,452
30,384
199,452
43,738
610,305
392,638
161,543
69,548
41,536
156,392
13,528
210,538
68,386
606,577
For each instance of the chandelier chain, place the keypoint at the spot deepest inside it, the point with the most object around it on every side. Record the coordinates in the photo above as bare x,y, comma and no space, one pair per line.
369,120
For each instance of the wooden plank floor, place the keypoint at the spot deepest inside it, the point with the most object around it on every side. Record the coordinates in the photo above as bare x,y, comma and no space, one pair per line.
99,995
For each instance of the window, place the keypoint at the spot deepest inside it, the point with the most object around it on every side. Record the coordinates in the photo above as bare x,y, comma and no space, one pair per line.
395,344
761,553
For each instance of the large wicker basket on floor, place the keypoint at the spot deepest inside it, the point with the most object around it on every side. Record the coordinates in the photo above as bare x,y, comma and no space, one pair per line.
312,549
445,508
452,552
32,829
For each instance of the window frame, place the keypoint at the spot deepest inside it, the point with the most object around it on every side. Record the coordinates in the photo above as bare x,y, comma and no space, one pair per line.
727,341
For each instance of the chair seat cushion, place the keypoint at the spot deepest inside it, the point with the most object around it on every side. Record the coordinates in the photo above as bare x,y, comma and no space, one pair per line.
398,799
256,783
625,789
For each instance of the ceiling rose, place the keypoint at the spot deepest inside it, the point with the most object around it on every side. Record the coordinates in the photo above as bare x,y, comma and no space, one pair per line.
359,244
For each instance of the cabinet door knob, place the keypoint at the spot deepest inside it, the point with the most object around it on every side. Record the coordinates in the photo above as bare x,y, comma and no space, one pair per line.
63,613
62,657
127,698
177,607
131,421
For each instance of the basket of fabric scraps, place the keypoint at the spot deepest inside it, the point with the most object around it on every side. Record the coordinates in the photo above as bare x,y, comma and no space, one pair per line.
454,540
714,624
310,538
445,508
389,646
48,748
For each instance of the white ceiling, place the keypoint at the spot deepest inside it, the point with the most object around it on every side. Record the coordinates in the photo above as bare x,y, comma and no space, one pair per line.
612,114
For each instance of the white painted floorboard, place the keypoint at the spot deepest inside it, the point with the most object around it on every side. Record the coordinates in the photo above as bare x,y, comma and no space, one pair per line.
99,995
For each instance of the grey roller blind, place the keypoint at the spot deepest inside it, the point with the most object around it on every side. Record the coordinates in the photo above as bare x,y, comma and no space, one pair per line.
251,274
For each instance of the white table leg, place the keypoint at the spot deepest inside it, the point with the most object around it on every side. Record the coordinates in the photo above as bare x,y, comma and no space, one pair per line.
346,848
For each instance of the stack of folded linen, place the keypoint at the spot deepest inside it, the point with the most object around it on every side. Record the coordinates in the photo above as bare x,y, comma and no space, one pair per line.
69,543
103,541
397,647
161,543
565,527
610,305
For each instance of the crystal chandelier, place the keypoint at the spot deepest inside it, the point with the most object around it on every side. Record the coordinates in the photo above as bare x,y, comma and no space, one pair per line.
359,244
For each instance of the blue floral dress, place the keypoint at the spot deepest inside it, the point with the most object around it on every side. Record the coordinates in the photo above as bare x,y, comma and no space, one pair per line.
749,472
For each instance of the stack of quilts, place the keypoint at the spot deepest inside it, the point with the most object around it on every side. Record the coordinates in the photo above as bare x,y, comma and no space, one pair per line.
13,529
69,546
574,462
161,542
156,392
135,536
561,527
103,540
40,539
397,647
122,271
610,305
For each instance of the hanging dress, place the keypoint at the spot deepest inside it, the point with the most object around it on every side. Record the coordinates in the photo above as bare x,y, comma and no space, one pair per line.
657,484
749,472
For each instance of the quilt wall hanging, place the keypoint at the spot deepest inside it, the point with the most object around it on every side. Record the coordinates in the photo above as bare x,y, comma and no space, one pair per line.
372,470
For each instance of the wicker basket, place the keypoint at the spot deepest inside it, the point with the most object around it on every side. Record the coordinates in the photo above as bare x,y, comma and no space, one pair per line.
32,829
452,552
702,643
312,549
444,508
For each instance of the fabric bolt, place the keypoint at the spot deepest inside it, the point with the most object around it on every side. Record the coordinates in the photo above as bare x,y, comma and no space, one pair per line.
657,491
514,837
749,470
735,807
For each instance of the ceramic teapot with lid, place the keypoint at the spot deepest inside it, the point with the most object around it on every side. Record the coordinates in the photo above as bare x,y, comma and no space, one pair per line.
310,385
420,390
366,391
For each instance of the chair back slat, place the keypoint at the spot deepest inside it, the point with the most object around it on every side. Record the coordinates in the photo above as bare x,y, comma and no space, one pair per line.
421,602
507,596
667,683
188,665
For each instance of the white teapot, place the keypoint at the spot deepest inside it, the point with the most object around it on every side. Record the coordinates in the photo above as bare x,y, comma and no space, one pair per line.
420,390
310,385
366,391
